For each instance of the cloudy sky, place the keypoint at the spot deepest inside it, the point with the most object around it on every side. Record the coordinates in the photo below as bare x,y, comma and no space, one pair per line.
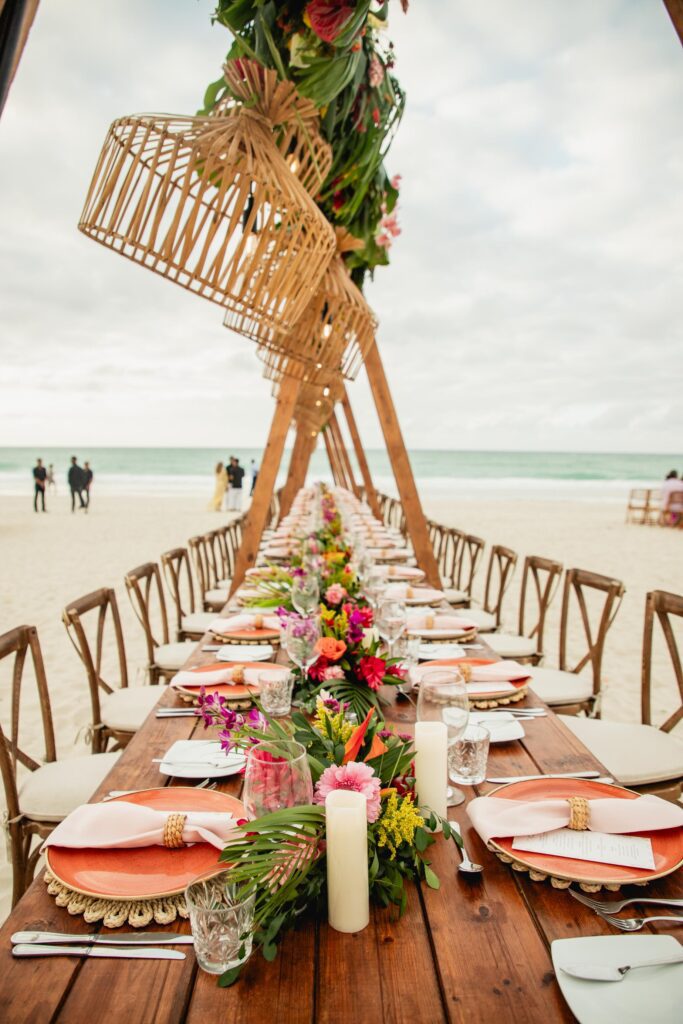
534,297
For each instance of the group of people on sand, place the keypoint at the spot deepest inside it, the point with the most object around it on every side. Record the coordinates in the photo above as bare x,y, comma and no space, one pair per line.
672,497
229,485
79,478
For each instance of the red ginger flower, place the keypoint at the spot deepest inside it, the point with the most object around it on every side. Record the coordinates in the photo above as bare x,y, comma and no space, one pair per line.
327,19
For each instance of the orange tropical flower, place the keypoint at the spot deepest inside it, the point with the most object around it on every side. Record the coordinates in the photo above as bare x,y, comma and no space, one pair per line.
330,648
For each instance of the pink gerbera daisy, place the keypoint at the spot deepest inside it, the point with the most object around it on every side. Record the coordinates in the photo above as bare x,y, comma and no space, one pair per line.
354,776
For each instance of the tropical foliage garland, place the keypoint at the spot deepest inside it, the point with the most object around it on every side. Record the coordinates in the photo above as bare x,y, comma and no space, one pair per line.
335,54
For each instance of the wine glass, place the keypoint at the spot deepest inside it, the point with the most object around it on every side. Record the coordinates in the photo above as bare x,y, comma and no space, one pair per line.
277,775
301,638
443,698
305,594
373,588
391,622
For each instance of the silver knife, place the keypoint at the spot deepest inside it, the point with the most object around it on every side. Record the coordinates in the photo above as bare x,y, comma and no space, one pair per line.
106,939
557,775
593,972
125,953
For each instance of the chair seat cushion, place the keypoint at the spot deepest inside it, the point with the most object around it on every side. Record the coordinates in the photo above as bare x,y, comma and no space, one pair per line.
511,645
173,656
455,596
224,584
635,754
197,622
216,598
556,687
126,709
484,620
57,788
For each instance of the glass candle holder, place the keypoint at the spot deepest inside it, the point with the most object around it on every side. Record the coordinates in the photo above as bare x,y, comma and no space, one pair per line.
277,775
222,923
275,691
468,756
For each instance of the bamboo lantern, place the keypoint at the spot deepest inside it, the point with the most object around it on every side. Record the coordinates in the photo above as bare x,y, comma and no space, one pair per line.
297,137
334,333
211,204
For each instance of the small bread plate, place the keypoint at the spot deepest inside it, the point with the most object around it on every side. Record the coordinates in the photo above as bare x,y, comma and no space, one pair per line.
183,760
503,728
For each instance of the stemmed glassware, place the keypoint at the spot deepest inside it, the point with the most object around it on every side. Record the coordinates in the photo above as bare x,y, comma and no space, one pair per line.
373,588
391,622
301,638
306,594
443,698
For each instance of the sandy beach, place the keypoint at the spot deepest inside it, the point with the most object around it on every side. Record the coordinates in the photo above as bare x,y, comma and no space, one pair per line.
50,559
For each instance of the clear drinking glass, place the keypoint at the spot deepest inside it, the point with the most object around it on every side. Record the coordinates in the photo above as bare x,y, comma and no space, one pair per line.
468,755
443,698
301,637
391,622
305,594
276,776
221,923
373,588
275,692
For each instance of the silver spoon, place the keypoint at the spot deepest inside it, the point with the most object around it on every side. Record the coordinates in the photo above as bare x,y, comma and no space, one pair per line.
467,866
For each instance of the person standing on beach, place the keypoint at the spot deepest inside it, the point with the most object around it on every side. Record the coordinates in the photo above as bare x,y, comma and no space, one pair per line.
76,478
89,476
39,480
216,503
230,465
235,492
253,469
51,482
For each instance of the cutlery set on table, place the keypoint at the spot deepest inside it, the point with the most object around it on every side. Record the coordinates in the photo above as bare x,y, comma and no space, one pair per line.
126,945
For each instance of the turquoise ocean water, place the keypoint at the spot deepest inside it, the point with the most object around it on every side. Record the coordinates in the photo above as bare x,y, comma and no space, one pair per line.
461,474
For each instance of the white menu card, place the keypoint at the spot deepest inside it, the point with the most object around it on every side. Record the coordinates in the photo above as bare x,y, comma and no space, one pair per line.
626,851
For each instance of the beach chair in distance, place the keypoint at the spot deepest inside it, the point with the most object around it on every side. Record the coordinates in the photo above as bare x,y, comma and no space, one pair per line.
569,688
540,582
118,710
499,573
203,557
146,595
638,507
177,571
39,792
654,508
641,755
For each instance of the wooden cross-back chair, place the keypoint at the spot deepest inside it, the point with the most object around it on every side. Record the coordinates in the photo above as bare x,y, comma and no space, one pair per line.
203,556
146,594
51,789
118,710
638,506
540,582
451,568
471,553
177,572
565,687
642,755
501,567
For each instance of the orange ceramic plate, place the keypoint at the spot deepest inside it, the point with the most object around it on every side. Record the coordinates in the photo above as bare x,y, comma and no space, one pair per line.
519,684
667,844
236,691
257,635
145,872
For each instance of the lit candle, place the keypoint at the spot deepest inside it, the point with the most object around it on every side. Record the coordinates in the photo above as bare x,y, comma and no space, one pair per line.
348,888
431,766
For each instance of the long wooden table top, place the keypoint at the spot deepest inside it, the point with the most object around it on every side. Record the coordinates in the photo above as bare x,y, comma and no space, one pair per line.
475,950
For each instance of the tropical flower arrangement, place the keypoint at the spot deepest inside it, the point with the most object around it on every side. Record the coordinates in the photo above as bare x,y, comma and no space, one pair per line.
280,857
333,50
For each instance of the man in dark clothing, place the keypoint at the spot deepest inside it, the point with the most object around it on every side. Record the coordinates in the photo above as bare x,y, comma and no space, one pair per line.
88,481
39,479
235,476
76,478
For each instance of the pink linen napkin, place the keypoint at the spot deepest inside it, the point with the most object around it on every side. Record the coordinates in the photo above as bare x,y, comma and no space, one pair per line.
245,620
494,816
418,620
123,825
499,672
220,676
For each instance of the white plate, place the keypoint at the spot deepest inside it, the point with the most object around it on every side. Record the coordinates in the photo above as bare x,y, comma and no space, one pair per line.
652,995
199,750
245,652
438,652
502,727
438,634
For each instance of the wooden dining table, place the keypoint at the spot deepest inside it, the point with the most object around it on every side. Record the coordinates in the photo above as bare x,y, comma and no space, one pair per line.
475,950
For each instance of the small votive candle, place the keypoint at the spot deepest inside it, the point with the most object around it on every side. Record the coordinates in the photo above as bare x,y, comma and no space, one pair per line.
348,886
431,766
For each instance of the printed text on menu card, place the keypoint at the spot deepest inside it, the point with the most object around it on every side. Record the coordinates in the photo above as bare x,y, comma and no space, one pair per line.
626,851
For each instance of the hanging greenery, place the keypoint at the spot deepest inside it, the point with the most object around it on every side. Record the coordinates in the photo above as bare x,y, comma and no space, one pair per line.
336,54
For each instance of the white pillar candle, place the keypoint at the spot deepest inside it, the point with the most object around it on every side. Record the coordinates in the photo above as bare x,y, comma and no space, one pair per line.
431,766
348,887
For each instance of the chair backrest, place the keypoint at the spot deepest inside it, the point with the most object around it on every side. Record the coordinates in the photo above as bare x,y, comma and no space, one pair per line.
221,546
146,595
451,556
501,568
19,643
203,555
471,551
661,606
577,584
103,603
178,575
540,579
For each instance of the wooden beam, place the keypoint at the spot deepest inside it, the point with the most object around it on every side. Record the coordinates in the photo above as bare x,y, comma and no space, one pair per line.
400,464
288,491
341,465
344,454
675,9
370,492
331,457
265,483
16,19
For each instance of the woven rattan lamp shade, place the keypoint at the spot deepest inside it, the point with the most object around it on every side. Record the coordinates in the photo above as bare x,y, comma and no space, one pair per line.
211,204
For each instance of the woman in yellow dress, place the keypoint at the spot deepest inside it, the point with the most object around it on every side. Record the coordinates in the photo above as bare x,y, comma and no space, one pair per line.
216,503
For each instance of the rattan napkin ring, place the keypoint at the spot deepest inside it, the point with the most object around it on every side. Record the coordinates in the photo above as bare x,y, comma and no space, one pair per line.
579,813
173,831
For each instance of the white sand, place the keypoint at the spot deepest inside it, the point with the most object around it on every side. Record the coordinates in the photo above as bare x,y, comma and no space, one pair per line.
50,559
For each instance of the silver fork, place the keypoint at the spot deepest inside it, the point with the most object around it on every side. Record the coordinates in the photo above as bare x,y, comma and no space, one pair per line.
614,906
634,924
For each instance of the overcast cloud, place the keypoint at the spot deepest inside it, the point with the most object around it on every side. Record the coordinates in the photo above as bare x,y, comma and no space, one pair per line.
534,297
